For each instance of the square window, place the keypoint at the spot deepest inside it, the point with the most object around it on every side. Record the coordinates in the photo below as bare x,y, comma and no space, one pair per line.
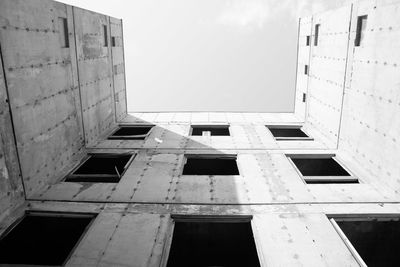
320,169
210,130
288,132
133,132
101,168
374,241
212,242
42,239
210,165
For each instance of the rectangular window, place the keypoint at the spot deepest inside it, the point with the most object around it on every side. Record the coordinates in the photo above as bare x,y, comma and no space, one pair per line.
210,130
316,34
131,132
63,32
210,165
213,241
105,35
308,37
373,240
306,69
304,97
42,238
113,41
321,169
361,29
101,168
288,132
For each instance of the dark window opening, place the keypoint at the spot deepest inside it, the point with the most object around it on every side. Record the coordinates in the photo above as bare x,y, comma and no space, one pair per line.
304,97
105,35
306,69
376,240
113,41
361,28
286,132
213,244
64,35
131,132
43,239
213,130
308,37
319,167
316,34
210,165
101,168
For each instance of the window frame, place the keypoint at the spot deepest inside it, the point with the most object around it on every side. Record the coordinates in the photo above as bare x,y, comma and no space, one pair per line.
131,137
308,138
329,179
209,156
73,176
219,125
333,218
47,213
240,218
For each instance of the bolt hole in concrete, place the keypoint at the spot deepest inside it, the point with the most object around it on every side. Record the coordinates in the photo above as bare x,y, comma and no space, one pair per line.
213,244
208,165
375,240
42,239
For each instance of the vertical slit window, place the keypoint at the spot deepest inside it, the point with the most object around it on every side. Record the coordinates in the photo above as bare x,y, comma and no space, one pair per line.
308,40
316,34
306,69
63,31
113,41
105,35
361,28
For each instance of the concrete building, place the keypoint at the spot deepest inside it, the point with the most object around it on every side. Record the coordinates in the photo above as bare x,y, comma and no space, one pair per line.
83,183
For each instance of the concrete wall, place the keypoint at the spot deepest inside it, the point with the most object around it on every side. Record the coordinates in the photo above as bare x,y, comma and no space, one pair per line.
11,188
327,72
370,121
60,95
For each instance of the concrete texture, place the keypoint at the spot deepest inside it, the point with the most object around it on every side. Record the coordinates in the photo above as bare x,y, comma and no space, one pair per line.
65,102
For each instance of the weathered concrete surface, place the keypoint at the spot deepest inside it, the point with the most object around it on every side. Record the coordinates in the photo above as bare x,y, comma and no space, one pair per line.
43,88
11,188
95,69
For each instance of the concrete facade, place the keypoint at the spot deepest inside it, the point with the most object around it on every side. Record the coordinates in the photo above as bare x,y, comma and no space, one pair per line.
58,104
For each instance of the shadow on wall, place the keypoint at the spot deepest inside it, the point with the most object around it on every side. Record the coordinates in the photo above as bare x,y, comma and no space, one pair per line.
169,167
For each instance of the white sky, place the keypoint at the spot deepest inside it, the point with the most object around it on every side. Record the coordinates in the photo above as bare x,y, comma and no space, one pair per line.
209,55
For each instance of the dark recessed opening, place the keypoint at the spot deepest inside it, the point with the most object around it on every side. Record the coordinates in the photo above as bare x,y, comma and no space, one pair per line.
213,244
105,35
319,167
361,28
316,34
376,241
211,166
304,97
308,40
215,130
64,35
131,132
305,69
287,132
43,239
113,41
101,169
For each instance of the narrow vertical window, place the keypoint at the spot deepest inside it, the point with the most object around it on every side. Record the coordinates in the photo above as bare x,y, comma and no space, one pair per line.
113,41
306,69
316,34
63,31
105,35
308,40
361,27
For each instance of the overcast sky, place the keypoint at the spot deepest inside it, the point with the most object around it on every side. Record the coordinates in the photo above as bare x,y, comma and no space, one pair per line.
209,55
